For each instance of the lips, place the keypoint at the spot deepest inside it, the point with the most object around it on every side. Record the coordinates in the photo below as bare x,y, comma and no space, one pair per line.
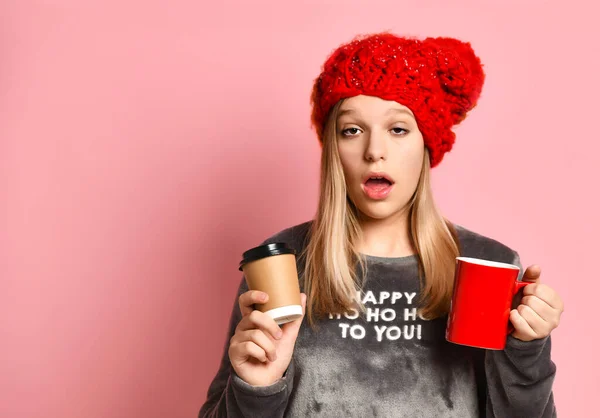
377,185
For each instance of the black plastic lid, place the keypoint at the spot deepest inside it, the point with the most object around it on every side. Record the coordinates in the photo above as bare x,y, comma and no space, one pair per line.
264,251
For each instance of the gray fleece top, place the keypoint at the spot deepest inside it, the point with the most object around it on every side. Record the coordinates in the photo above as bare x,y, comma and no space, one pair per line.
388,362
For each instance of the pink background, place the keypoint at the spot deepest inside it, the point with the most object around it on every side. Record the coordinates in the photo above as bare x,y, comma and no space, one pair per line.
146,144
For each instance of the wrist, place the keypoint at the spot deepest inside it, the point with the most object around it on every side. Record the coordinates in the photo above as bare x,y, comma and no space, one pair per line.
263,387
518,344
260,381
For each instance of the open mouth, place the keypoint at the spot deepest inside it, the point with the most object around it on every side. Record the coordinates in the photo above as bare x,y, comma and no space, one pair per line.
378,182
378,186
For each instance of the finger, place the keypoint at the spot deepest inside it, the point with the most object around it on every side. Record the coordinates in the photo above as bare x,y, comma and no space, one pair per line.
293,327
522,327
260,320
545,293
243,351
249,298
259,338
536,323
545,311
532,274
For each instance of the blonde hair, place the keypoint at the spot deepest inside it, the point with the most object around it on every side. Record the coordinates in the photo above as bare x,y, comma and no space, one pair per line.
331,279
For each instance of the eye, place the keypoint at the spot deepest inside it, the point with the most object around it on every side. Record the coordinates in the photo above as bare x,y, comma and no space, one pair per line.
399,131
350,132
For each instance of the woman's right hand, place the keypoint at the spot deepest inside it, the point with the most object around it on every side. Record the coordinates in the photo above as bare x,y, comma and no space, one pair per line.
260,351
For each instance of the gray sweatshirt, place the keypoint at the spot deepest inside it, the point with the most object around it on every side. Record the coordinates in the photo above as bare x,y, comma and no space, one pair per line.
388,362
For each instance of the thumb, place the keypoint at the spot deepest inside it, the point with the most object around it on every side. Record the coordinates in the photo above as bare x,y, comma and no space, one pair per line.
532,274
291,328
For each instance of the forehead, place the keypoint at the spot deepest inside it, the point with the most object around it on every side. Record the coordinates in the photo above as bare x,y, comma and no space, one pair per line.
372,106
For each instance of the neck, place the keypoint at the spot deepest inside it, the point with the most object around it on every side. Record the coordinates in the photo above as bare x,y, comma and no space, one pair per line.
388,237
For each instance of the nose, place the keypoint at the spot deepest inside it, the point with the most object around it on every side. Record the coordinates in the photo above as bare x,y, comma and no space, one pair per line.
376,147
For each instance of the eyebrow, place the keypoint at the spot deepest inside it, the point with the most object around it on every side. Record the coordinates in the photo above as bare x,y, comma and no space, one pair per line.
391,110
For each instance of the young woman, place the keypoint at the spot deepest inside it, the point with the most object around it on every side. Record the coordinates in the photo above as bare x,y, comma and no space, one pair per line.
376,264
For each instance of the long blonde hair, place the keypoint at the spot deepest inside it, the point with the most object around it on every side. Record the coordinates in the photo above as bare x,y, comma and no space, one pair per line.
331,277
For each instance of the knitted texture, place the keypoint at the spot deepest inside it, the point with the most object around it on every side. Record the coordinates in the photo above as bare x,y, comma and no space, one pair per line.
438,79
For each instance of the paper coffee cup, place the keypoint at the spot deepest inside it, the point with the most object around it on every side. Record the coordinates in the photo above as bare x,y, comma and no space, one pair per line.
271,268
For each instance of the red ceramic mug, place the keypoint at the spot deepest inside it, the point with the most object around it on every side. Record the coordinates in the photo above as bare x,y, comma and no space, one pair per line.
481,303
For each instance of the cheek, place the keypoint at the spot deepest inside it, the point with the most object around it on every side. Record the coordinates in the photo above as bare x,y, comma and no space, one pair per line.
413,158
350,166
409,171
416,166
351,176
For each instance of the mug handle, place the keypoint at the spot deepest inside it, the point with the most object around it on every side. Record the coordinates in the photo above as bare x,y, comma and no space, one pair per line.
518,286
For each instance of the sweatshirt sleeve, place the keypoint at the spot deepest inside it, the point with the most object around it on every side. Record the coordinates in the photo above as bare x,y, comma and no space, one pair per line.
230,396
520,378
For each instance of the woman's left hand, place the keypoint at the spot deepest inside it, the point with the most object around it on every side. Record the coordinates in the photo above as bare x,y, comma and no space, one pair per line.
540,309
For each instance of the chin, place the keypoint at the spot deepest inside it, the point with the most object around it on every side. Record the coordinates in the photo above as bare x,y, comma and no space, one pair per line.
377,211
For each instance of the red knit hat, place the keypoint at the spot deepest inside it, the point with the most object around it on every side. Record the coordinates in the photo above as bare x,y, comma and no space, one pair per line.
439,79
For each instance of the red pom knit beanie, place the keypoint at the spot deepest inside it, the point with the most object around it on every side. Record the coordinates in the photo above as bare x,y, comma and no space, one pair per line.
438,79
